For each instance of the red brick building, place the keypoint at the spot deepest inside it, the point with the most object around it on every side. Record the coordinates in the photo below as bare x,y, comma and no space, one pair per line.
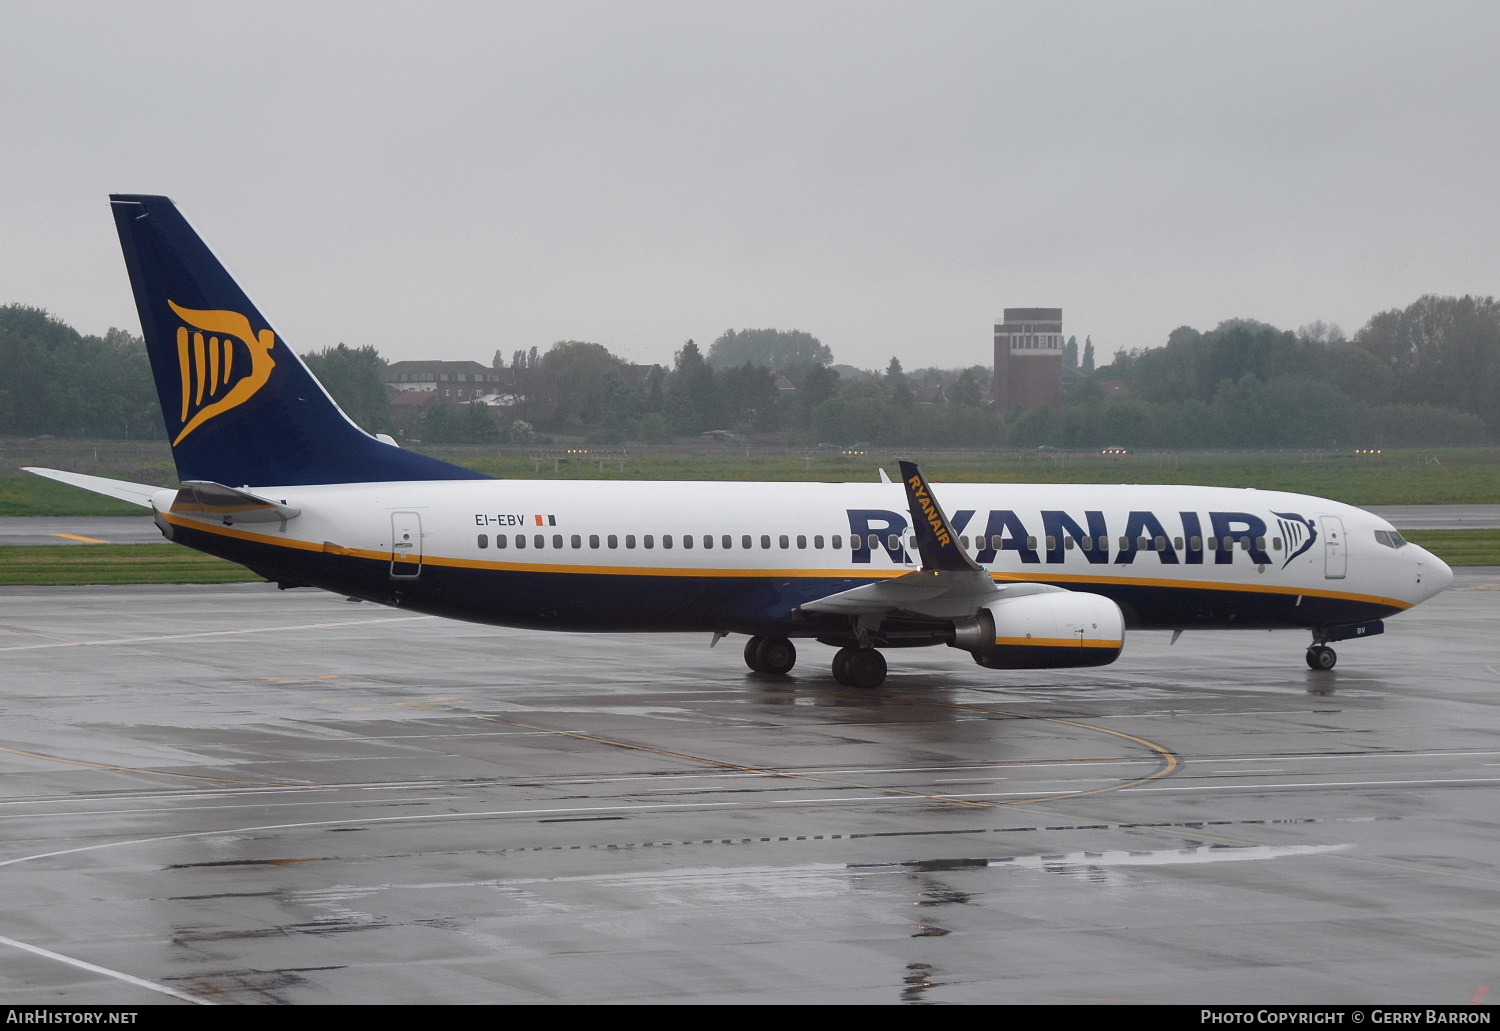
1028,358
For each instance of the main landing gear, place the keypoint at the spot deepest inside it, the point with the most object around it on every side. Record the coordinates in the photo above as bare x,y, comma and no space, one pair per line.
859,667
852,667
768,653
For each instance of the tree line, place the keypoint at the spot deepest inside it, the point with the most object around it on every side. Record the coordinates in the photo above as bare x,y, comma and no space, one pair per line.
1425,374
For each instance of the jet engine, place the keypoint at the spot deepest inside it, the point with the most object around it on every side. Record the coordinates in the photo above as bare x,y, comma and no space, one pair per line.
1046,629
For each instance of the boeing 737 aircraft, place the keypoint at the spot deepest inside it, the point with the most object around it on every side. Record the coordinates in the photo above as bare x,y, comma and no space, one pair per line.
1020,576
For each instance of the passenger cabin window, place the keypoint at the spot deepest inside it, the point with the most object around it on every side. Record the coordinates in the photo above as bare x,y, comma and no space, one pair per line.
613,541
630,540
765,540
648,541
501,540
484,540
540,540
577,542
837,543
666,541
557,540
745,541
593,540
784,542
520,540
801,542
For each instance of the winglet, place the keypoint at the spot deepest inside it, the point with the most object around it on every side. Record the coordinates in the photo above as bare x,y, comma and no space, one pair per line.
936,541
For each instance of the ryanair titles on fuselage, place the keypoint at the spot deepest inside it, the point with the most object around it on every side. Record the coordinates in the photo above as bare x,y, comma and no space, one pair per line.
1046,539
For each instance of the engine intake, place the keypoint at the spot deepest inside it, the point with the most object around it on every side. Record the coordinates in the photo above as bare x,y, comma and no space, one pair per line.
1052,629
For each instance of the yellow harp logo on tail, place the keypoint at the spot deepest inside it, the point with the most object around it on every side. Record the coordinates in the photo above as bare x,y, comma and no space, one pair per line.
219,345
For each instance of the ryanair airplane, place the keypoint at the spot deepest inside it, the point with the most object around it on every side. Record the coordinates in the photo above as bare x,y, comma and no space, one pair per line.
1020,576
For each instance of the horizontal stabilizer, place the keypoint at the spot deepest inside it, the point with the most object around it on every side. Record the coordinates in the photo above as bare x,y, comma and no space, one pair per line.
124,490
204,500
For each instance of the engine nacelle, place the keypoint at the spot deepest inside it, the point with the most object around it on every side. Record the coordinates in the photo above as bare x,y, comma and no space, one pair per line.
1048,629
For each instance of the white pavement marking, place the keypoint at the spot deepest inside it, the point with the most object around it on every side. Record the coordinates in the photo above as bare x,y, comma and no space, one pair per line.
95,968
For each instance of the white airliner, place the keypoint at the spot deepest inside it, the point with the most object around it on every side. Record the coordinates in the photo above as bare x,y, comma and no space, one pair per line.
1020,576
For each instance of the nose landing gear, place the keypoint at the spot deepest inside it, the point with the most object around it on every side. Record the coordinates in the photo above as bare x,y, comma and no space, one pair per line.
1321,657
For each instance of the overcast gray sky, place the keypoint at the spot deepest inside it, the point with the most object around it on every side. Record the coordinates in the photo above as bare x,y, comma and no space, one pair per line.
443,180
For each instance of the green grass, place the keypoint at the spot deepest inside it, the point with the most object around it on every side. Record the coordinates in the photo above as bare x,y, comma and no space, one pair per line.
1459,547
1469,476
1395,478
54,565
28,495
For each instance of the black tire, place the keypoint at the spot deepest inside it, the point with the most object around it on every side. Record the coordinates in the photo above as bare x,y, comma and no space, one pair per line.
865,668
776,656
841,666
1321,658
752,652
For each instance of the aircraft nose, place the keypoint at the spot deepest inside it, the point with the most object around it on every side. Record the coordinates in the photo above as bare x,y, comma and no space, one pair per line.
1433,574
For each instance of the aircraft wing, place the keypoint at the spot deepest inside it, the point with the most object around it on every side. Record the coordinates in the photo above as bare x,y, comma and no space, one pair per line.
932,594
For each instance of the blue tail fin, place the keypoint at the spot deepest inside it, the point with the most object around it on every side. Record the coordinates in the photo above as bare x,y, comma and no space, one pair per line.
240,407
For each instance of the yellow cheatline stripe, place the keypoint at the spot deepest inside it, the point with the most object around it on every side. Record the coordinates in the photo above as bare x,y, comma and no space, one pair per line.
1058,642
843,573
78,537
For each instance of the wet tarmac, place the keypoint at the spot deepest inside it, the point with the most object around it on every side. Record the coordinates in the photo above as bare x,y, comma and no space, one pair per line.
238,795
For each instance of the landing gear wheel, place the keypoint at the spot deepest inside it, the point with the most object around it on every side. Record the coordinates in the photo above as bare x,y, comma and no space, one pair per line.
864,668
1321,657
752,651
775,655
841,666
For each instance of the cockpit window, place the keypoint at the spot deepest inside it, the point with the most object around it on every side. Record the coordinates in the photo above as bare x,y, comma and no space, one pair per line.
1390,538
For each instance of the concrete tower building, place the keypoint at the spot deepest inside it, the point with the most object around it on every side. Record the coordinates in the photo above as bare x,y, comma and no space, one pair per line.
1028,358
